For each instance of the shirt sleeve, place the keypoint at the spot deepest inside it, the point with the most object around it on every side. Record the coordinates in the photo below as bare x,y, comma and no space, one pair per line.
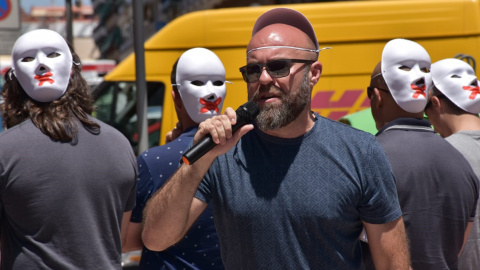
144,189
204,191
131,201
379,203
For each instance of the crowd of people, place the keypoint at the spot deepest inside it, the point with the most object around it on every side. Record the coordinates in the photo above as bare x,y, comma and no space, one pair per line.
437,188
290,190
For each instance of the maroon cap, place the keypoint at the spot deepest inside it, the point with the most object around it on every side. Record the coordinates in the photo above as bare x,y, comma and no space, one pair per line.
286,16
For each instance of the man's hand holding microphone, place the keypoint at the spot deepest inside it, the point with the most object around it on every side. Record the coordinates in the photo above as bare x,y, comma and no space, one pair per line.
221,130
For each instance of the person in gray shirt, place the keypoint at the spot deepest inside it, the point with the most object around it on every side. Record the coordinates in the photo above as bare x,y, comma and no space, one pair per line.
67,180
437,189
453,111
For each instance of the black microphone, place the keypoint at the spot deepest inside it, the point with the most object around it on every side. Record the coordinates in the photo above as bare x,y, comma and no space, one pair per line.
245,114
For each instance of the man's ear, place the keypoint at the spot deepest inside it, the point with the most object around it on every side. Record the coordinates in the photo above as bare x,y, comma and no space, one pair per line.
436,104
177,100
316,71
377,95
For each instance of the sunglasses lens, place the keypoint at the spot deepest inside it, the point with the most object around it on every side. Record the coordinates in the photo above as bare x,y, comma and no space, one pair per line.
252,73
278,68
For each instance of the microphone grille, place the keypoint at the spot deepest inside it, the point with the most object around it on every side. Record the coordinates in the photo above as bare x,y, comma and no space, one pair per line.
248,111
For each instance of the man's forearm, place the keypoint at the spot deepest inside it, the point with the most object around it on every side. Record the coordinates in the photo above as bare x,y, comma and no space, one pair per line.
465,237
167,215
389,245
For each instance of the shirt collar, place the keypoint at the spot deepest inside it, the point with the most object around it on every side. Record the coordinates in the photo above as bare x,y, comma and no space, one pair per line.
422,123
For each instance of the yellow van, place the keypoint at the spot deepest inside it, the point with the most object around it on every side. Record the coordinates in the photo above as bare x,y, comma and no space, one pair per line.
356,31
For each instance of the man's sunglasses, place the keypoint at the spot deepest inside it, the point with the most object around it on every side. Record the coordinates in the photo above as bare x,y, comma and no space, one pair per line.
276,69
370,91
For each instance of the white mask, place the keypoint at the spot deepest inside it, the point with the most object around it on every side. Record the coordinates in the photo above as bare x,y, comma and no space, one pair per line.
201,83
457,81
406,70
42,63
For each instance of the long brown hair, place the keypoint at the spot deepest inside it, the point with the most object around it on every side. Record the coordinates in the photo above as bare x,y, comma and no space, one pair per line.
58,119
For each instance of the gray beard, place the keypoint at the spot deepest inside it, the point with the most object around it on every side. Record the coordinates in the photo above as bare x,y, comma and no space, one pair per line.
273,116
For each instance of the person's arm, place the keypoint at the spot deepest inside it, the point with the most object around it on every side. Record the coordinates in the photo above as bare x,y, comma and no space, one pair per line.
133,240
173,209
465,237
388,245
124,228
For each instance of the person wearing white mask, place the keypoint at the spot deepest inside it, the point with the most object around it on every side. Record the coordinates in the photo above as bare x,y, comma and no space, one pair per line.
68,179
51,66
437,189
199,90
200,81
453,111
405,77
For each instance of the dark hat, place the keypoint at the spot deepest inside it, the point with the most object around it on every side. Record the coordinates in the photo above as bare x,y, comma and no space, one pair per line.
286,16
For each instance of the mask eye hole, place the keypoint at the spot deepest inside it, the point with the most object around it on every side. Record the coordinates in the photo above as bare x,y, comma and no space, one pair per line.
425,70
218,83
53,55
405,68
197,83
28,59
455,76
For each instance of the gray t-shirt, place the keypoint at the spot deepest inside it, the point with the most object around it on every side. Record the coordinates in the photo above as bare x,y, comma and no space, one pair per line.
437,190
62,204
298,203
467,142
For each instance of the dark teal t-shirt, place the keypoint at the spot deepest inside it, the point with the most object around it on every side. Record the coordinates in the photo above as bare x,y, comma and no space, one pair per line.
298,203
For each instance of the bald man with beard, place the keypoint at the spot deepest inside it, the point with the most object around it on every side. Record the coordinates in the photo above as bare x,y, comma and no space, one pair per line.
292,190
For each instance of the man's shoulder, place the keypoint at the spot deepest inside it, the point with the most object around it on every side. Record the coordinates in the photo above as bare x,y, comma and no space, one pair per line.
467,142
465,135
181,143
159,149
341,129
108,132
17,132
171,150
400,133
104,127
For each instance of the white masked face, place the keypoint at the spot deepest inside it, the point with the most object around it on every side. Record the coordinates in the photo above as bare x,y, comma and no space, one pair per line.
42,63
457,81
406,70
201,83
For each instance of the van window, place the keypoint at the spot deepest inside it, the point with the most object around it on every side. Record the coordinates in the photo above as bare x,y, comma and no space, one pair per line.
116,105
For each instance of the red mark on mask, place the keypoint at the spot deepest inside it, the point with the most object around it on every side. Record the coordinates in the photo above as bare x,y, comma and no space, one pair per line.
44,78
209,106
419,90
475,91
